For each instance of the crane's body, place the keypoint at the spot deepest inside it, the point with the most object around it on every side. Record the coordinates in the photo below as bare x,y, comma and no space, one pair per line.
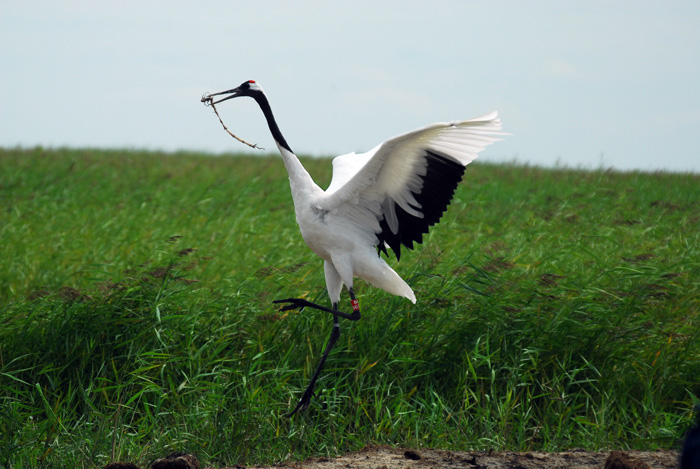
383,199
346,245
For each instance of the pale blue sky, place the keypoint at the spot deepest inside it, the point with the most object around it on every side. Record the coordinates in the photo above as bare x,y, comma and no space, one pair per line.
584,84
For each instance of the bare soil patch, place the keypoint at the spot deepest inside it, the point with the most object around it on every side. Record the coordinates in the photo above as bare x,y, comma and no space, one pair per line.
382,457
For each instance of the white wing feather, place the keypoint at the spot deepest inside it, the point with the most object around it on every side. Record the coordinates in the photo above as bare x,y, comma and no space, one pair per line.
345,167
366,187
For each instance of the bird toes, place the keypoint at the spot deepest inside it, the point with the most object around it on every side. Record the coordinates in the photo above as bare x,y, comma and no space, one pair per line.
294,303
303,403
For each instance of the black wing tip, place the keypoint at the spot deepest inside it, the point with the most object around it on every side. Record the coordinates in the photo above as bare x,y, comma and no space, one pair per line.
440,182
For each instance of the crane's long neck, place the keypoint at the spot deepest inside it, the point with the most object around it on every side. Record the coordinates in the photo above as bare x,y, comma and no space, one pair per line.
299,178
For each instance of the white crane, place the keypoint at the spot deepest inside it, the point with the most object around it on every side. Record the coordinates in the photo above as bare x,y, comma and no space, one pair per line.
385,198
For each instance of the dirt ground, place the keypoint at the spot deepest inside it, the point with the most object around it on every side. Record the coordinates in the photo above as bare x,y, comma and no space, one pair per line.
382,457
392,458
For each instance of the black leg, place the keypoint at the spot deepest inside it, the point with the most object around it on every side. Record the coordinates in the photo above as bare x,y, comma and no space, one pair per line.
301,303
335,334
309,392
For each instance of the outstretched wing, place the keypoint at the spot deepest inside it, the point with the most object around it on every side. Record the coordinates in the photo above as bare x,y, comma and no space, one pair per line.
402,187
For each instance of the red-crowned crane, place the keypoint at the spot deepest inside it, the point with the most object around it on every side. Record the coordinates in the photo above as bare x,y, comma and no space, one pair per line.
385,198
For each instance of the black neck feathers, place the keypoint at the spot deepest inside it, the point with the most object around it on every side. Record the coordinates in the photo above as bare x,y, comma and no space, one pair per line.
262,101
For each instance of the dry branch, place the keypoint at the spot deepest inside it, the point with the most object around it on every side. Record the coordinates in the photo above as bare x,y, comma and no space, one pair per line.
208,101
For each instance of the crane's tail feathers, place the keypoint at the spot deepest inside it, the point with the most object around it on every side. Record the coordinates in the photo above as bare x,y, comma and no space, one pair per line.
411,297
389,281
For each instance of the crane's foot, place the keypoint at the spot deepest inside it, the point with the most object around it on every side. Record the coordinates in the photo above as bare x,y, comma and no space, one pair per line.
301,303
304,402
298,303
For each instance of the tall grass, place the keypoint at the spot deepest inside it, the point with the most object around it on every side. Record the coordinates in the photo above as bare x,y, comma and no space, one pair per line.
557,309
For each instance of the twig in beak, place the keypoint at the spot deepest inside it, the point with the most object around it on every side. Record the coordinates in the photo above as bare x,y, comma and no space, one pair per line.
208,101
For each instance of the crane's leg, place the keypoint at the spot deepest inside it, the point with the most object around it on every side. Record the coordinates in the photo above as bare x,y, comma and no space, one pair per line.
335,334
309,392
301,303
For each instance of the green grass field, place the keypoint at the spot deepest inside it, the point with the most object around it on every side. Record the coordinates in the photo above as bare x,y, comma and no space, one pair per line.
556,309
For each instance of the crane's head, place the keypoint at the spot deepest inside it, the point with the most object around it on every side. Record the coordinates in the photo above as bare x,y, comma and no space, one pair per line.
247,88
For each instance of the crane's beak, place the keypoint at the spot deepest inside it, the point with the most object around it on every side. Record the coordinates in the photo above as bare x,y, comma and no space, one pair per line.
235,92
